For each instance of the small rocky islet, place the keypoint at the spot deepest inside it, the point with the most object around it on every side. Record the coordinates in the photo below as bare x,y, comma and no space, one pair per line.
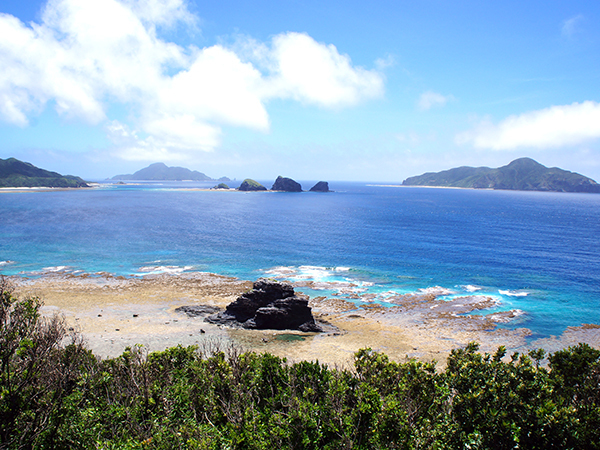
282,184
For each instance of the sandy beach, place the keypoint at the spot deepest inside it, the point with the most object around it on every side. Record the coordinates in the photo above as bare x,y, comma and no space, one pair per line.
115,312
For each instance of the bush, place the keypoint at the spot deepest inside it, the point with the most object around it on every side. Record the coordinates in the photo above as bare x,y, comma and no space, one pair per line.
41,364
55,394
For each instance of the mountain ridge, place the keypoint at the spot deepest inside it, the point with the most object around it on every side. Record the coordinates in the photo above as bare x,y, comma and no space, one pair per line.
522,174
161,172
15,173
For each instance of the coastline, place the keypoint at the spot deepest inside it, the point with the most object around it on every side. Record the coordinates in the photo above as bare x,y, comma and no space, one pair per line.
7,190
113,312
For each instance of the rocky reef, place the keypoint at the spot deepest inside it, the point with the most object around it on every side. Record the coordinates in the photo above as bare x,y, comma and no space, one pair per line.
286,185
269,305
321,186
250,185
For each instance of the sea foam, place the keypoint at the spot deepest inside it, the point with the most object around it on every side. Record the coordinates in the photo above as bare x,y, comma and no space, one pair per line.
156,270
513,293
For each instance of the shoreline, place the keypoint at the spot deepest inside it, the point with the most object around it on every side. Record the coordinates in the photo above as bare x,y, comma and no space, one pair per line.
23,189
113,312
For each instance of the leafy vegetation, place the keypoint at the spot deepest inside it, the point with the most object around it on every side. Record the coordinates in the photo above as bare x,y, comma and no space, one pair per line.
522,174
251,185
15,173
54,393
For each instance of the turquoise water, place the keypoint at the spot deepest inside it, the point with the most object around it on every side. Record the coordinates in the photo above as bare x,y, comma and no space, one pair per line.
538,252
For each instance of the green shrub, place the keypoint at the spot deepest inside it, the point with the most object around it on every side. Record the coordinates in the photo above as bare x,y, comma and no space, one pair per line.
56,394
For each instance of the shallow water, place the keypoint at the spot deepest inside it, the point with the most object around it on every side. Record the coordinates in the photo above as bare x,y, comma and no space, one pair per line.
538,252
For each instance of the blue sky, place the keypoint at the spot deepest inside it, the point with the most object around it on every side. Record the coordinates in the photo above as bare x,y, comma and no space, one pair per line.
311,90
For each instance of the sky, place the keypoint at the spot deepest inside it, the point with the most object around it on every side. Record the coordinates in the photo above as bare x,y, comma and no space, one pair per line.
312,90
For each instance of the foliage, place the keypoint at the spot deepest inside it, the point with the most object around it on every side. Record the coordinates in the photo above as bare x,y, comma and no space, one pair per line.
56,394
15,173
523,174
251,185
41,365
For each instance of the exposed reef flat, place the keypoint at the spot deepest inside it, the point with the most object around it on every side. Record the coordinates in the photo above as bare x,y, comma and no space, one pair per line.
115,312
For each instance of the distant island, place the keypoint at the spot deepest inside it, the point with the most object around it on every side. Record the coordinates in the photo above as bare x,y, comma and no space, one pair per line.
16,174
523,174
161,172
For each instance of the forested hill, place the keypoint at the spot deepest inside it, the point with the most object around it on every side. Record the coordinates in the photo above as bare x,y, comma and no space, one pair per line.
160,171
522,174
15,173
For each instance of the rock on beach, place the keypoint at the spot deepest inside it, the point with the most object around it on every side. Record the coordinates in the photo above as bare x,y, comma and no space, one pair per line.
269,305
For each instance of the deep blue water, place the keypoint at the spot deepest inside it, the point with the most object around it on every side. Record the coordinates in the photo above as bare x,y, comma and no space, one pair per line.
539,252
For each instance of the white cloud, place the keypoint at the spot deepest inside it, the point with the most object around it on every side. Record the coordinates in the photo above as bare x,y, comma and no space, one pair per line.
85,55
311,72
553,127
571,26
384,63
429,99
168,142
217,86
165,13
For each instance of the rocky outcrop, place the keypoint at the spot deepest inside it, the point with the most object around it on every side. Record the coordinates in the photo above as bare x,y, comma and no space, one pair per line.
197,310
286,185
269,305
221,186
251,185
321,186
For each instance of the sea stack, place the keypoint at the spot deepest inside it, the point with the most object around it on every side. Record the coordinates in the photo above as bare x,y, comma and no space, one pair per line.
270,305
321,186
250,185
286,185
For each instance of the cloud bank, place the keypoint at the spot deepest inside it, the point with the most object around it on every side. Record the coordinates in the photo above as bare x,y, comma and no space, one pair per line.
553,127
85,55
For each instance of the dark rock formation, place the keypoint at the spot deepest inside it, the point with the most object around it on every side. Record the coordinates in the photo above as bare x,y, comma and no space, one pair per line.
221,186
321,186
269,305
286,185
251,185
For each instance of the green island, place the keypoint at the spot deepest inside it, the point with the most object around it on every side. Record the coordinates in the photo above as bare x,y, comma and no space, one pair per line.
162,172
56,394
523,174
15,174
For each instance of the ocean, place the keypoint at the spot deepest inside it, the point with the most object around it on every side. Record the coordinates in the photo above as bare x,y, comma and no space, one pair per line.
533,251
